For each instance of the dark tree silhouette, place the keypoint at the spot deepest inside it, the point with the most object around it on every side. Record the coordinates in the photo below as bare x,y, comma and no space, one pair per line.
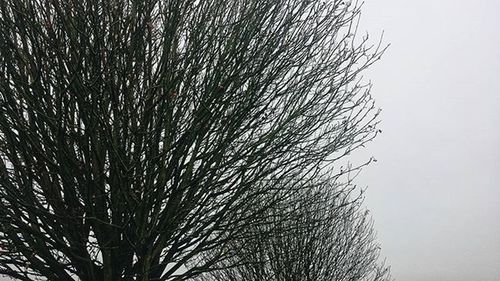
137,135
319,234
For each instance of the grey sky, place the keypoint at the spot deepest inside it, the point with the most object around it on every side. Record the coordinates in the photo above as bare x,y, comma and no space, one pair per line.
434,192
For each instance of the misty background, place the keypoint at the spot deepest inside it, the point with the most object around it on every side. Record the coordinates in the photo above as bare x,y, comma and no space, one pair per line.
434,192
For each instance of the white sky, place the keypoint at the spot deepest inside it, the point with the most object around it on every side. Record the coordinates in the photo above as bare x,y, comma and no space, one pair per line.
434,193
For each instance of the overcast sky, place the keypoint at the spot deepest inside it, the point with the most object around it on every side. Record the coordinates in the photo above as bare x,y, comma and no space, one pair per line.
434,193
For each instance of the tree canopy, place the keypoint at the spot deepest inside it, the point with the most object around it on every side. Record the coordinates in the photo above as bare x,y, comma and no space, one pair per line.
321,233
136,136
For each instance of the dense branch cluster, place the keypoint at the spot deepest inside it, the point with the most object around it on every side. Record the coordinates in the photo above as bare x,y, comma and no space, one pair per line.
319,234
139,136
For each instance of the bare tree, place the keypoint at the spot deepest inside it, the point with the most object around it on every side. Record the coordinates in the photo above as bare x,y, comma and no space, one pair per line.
319,234
137,135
